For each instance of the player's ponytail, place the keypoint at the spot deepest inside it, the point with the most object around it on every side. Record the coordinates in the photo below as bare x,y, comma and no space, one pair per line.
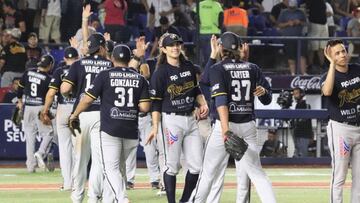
230,55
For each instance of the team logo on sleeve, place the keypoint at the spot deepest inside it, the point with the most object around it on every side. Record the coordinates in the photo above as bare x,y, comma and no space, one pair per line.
172,138
344,148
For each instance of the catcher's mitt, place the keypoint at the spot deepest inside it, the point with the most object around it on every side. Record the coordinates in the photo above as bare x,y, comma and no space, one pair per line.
45,118
74,125
17,116
235,145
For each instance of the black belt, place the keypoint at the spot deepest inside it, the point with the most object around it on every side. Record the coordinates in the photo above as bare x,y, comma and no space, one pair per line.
179,113
351,123
141,115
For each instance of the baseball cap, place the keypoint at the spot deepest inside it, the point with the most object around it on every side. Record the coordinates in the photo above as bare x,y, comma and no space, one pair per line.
293,3
230,41
94,42
46,60
70,52
16,33
169,39
122,52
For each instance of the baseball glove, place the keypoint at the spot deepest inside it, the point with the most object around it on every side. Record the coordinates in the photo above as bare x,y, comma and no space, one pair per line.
235,146
74,124
45,118
17,116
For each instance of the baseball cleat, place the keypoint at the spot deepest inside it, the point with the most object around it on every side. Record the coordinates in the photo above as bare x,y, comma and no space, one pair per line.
40,160
161,192
130,186
155,185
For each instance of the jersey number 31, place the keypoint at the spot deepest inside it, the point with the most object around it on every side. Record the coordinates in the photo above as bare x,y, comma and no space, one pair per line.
124,95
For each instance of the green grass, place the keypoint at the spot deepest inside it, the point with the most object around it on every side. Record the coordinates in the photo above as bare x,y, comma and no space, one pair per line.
283,195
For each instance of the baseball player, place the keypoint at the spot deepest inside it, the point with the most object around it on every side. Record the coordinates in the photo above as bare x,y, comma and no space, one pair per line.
340,87
174,92
234,84
123,94
63,112
243,186
33,86
81,75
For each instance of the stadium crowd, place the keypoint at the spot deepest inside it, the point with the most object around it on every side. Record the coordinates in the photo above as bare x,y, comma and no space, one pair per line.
57,21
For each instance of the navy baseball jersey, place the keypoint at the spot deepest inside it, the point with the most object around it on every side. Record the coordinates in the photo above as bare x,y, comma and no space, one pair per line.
34,85
176,88
237,81
344,103
82,73
121,90
56,81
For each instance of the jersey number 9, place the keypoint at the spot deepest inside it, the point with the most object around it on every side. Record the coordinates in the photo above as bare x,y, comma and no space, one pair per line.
124,95
33,90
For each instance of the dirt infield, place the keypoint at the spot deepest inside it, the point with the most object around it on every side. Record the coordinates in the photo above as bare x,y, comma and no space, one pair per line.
232,185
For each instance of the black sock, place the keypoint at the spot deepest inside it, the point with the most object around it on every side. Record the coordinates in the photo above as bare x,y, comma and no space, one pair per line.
170,187
190,184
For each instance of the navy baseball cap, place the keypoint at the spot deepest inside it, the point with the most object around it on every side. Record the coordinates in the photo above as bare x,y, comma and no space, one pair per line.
46,60
94,42
230,41
170,39
70,52
122,53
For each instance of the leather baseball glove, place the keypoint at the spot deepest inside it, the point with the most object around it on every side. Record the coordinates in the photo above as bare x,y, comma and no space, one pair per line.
45,117
74,125
17,116
235,145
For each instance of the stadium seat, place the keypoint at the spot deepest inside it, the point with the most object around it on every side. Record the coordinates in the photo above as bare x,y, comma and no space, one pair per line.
3,91
58,55
343,22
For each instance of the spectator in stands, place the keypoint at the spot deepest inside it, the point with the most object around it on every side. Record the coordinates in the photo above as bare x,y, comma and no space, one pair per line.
159,31
187,9
30,13
33,51
236,19
341,8
158,8
71,18
303,132
5,38
317,27
12,59
353,30
11,96
136,17
14,18
330,19
272,147
275,11
291,22
211,22
50,21
115,23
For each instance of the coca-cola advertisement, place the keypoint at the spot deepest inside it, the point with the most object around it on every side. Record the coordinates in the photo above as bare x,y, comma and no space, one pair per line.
309,83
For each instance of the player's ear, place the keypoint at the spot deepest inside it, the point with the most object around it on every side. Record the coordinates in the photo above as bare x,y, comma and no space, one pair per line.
163,49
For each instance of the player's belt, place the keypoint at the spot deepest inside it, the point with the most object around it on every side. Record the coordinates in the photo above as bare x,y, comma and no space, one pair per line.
141,115
180,113
351,123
